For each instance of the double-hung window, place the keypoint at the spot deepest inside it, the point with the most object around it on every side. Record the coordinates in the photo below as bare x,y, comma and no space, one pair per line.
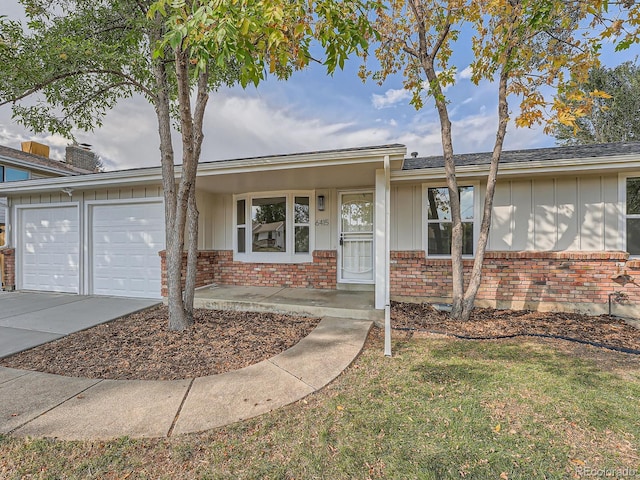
438,219
273,227
633,215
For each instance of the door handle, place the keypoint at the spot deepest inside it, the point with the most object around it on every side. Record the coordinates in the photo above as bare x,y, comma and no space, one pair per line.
341,240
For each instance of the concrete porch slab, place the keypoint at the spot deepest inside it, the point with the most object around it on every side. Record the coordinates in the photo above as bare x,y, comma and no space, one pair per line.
300,301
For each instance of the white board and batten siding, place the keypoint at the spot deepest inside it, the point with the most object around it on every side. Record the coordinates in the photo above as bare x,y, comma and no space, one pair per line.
567,213
100,242
556,214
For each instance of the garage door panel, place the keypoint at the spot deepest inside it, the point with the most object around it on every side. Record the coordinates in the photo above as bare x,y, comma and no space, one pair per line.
125,246
50,259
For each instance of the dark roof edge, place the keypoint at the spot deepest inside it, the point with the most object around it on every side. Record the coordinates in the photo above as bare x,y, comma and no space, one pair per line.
530,155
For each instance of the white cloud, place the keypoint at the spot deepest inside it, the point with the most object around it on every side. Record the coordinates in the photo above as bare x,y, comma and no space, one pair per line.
465,74
390,98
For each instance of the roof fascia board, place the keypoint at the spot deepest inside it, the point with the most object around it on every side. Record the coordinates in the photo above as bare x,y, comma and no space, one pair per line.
98,180
154,174
321,159
614,163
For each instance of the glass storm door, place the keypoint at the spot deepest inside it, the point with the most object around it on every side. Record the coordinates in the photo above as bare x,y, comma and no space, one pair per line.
356,238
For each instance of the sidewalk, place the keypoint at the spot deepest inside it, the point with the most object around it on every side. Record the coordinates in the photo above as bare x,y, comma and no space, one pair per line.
43,405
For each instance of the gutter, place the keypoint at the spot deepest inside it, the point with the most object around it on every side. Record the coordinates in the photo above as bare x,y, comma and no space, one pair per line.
578,165
222,167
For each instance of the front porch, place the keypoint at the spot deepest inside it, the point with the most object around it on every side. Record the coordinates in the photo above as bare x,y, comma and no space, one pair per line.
299,301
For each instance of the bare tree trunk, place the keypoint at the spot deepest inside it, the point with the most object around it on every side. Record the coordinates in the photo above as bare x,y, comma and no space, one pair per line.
427,60
427,55
181,319
192,255
174,229
192,210
186,209
476,273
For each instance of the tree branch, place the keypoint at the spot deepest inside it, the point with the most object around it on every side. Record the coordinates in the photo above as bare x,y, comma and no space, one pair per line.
79,73
95,94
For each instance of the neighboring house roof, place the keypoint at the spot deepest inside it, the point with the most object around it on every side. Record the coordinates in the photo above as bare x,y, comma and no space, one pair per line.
18,158
533,155
268,227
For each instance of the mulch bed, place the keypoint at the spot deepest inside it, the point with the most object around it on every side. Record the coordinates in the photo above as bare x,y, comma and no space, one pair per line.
488,323
141,347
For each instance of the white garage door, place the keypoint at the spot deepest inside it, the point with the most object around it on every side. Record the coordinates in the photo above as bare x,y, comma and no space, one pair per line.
49,255
126,239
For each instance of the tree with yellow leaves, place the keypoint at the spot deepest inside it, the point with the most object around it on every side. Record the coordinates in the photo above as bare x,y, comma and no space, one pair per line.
528,47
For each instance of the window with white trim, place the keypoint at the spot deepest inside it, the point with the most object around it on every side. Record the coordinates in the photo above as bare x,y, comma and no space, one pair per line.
633,215
438,220
274,227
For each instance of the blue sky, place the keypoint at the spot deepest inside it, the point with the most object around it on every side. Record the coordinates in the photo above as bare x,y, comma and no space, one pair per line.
309,112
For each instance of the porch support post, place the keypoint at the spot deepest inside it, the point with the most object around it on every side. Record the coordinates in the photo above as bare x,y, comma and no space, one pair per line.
383,249
380,239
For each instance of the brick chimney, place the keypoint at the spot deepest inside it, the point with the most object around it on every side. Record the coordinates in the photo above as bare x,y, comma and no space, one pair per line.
81,156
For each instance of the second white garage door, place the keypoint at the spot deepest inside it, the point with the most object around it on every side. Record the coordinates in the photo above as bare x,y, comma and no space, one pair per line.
126,239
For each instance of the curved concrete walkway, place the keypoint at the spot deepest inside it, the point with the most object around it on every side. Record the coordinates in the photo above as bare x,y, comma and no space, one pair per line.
44,405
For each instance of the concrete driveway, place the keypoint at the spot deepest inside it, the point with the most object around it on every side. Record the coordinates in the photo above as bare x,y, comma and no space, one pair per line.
28,319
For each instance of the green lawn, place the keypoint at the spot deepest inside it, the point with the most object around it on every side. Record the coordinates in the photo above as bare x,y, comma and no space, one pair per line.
440,408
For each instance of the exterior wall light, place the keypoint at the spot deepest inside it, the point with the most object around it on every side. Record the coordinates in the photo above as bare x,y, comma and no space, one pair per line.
321,205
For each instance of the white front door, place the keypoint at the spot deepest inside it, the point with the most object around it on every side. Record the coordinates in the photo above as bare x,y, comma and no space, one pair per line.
356,262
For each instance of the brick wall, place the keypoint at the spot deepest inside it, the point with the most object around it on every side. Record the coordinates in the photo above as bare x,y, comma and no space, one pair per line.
9,265
580,281
218,266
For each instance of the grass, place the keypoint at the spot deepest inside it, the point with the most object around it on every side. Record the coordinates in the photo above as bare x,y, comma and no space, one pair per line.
440,408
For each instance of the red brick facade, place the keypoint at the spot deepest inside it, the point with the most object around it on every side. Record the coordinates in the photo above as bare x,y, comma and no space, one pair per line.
218,266
9,279
579,281
523,279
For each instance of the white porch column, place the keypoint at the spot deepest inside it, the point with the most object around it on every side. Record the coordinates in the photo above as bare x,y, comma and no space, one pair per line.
383,249
379,240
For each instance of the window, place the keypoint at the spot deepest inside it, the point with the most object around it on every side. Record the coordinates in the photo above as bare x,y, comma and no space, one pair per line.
13,175
633,216
302,215
269,221
3,217
273,227
438,220
241,226
8,174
